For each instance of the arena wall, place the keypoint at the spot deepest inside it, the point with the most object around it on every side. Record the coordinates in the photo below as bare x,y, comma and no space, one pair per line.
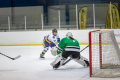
36,37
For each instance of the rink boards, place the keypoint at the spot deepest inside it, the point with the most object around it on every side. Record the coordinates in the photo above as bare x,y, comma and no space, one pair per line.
35,38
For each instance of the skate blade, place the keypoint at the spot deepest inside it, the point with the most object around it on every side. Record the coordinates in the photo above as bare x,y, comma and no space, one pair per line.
41,58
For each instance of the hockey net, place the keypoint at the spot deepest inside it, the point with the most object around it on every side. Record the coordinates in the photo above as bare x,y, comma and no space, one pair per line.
104,54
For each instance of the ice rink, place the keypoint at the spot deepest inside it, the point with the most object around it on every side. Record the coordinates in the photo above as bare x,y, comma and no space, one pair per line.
29,67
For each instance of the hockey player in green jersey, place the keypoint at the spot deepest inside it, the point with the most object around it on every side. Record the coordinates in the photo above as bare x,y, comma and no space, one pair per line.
68,46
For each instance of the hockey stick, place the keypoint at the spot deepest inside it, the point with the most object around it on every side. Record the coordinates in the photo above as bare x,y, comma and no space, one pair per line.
10,57
71,58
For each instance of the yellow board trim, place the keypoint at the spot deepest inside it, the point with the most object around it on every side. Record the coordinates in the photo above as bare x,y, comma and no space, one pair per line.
23,45
83,43
39,44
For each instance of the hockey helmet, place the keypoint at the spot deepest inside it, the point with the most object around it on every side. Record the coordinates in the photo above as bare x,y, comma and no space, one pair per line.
69,34
54,30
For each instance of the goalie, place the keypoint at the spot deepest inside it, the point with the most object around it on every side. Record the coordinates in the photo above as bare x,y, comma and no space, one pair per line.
68,46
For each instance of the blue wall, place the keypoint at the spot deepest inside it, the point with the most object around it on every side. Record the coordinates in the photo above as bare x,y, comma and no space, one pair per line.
20,3
5,3
58,2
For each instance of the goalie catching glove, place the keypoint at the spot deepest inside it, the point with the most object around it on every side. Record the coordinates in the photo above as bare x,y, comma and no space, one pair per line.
54,51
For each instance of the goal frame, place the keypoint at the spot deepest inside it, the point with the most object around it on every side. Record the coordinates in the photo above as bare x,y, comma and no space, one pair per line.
90,51
107,69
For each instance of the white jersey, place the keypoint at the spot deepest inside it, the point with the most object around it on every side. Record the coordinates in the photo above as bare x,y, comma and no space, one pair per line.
53,38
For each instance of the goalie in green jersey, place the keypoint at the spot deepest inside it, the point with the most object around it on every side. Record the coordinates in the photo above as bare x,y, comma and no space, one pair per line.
68,46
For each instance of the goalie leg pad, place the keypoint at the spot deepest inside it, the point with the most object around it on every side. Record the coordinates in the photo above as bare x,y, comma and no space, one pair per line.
53,63
85,59
82,60
58,61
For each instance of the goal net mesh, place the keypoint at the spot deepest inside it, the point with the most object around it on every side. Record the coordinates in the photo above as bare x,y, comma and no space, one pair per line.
105,55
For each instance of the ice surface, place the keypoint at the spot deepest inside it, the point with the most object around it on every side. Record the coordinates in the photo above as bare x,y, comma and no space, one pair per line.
29,67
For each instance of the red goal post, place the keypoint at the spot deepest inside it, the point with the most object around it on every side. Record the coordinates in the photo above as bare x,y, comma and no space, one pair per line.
90,51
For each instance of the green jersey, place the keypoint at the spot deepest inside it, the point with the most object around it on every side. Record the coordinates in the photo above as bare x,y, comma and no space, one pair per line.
69,45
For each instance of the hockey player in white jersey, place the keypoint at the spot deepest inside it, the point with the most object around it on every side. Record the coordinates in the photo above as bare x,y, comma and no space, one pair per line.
50,40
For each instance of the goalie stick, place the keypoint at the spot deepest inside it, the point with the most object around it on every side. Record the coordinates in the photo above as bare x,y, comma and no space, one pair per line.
71,58
10,57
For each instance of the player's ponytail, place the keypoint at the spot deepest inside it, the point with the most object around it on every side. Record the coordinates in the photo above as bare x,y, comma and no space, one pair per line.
71,38
69,34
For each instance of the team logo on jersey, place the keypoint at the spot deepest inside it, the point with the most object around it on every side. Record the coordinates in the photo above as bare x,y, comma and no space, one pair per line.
53,36
54,40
